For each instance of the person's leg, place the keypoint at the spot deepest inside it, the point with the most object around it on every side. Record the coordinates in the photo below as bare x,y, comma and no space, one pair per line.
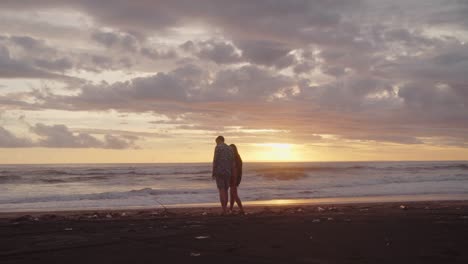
232,196
223,186
238,200
222,199
223,194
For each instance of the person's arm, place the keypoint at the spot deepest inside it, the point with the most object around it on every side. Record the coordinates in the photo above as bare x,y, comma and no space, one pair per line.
214,163
240,171
240,167
234,171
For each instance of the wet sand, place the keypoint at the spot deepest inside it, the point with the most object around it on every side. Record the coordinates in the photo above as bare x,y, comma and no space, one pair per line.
418,232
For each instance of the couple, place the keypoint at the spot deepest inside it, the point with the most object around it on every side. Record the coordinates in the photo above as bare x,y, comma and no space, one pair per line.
227,171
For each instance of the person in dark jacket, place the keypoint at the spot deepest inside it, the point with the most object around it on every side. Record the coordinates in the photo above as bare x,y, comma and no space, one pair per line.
223,162
236,178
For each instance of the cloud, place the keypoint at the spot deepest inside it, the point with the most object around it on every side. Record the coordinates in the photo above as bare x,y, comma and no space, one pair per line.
249,83
27,57
178,90
398,139
12,68
359,70
212,50
112,39
60,136
9,140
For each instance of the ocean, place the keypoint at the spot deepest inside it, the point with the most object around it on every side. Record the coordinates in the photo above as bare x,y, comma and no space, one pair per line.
119,186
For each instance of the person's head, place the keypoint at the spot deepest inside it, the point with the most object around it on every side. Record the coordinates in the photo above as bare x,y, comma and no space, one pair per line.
219,140
234,148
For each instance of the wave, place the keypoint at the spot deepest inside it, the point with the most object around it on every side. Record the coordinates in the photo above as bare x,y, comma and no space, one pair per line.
283,175
49,172
9,178
98,196
33,175
206,169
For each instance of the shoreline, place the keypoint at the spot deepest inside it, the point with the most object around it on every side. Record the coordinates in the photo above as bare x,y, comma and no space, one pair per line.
252,208
264,203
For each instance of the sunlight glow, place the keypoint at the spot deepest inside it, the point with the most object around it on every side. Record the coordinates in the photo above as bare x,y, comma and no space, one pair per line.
276,152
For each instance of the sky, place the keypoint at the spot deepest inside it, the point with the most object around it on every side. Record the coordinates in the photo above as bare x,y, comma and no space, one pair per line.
285,80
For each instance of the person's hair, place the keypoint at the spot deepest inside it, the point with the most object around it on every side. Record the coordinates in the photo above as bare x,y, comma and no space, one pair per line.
220,138
234,148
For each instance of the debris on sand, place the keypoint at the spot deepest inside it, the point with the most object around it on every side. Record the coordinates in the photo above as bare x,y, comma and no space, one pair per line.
403,207
332,208
330,219
320,209
202,237
123,214
25,218
195,254
299,210
51,217
204,213
316,221
68,229
388,242
108,216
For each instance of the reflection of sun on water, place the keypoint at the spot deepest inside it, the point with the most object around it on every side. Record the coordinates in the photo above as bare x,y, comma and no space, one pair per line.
276,152
282,202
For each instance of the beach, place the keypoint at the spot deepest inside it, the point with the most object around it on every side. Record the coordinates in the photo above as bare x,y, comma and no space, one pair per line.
413,232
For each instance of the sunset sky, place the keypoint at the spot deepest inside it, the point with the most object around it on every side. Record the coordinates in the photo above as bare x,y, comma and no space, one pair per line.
286,80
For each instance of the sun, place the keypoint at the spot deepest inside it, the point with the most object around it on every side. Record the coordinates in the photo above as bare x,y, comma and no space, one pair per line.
275,152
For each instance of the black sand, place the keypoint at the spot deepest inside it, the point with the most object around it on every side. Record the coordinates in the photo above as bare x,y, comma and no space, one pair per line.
423,232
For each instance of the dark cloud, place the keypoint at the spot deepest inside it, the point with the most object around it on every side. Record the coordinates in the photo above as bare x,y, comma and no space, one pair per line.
303,67
249,83
155,54
186,84
143,93
217,51
267,53
12,68
54,64
27,57
115,142
114,39
9,140
60,136
454,15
